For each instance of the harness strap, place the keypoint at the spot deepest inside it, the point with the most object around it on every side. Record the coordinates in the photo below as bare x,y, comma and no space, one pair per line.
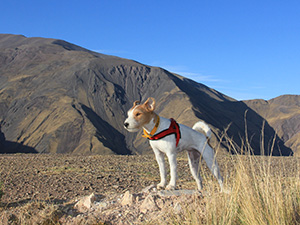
173,129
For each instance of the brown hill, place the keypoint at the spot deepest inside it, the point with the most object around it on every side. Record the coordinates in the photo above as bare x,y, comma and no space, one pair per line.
60,98
283,114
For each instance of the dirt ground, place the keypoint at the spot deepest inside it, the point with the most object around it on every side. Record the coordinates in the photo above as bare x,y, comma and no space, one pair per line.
62,179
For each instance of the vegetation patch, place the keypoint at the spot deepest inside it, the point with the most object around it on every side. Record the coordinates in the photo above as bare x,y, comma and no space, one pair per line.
62,169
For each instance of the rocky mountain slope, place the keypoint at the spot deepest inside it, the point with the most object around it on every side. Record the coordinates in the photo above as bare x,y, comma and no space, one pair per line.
56,97
283,114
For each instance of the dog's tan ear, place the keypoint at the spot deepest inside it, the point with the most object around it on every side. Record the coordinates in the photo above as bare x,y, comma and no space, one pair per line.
136,103
150,104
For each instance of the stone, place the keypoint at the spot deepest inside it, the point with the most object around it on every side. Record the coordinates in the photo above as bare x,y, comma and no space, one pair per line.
102,205
85,203
177,208
128,199
148,204
166,193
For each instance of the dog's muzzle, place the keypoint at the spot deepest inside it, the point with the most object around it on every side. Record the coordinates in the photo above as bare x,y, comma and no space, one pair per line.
126,125
129,128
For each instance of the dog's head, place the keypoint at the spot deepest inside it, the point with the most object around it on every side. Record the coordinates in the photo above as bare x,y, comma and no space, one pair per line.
139,115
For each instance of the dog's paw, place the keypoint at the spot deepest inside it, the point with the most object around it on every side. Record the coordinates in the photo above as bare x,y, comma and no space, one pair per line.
160,186
170,187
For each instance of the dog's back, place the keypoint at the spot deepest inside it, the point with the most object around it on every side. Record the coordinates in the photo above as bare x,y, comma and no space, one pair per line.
203,128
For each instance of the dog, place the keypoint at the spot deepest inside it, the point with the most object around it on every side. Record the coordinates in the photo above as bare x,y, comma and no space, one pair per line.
168,137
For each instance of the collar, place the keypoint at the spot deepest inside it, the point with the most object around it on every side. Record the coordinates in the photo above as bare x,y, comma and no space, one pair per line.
149,135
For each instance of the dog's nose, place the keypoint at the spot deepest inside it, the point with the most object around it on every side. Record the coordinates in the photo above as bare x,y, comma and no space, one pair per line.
126,124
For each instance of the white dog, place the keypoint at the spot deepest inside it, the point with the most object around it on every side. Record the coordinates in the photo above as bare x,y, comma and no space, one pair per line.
168,137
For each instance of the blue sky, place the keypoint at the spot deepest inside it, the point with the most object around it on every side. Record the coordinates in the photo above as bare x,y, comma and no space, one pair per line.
245,49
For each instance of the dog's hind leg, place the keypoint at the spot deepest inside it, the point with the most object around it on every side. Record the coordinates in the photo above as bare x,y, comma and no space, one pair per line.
209,157
194,160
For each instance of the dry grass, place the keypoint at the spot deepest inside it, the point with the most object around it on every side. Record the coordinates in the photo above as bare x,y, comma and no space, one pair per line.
260,193
257,196
33,213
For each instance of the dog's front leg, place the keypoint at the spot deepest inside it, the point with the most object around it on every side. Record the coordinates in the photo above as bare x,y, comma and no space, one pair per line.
173,170
162,170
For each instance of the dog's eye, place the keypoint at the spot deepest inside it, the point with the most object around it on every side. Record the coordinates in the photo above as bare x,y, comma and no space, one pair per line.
138,114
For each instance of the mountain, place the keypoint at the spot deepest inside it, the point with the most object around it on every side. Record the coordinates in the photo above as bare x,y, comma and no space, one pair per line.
56,97
283,114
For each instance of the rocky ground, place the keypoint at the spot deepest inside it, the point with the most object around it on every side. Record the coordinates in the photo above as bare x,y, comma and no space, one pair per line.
45,188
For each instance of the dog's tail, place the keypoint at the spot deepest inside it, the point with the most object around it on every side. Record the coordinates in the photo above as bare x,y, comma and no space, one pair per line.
203,128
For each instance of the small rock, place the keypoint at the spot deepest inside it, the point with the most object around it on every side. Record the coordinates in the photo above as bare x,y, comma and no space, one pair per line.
166,193
102,205
149,204
85,203
128,199
177,207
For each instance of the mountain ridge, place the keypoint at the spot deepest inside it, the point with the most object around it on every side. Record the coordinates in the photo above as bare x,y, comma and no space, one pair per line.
61,98
283,114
